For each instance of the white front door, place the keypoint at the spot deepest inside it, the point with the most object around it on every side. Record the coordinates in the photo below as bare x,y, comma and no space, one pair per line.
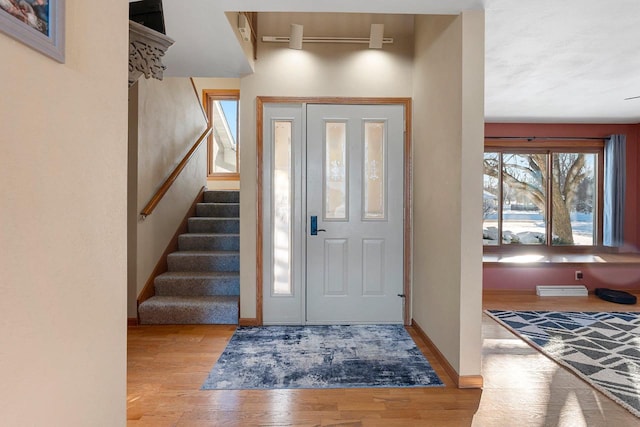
354,213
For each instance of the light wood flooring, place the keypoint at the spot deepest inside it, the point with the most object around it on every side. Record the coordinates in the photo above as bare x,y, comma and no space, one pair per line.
168,364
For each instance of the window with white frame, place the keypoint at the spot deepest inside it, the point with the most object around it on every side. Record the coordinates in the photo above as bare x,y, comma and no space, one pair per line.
547,195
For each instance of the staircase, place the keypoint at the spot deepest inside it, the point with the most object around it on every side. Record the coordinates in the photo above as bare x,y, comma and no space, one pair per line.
202,285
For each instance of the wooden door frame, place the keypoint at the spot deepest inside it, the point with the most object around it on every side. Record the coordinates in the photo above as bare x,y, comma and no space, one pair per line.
408,172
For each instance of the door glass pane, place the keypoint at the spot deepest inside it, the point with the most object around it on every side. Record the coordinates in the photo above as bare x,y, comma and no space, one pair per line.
524,198
225,136
374,171
573,191
335,171
282,190
490,198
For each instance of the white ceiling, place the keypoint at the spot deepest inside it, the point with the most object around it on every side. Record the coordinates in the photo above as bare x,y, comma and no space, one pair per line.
546,60
562,61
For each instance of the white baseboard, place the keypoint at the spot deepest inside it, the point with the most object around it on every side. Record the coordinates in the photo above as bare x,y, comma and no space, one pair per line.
561,291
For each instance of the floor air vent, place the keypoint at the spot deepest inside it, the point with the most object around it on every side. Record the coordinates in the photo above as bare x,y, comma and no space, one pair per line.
561,291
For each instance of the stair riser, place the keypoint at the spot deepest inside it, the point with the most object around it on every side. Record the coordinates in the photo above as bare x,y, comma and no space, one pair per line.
197,287
195,242
222,197
180,315
214,225
203,262
218,210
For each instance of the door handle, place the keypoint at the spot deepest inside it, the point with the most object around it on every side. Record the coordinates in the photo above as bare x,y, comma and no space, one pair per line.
314,226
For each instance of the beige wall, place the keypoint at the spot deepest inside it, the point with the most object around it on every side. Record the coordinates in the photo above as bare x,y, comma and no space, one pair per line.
63,171
318,70
471,192
170,120
219,184
448,139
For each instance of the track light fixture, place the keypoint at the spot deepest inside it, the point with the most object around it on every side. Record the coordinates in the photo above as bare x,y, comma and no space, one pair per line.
375,41
295,38
376,36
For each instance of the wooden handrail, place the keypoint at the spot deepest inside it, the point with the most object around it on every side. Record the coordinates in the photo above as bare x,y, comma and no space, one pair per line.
171,178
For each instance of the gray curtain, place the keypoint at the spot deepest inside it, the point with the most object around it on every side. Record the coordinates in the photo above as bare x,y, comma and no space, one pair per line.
614,190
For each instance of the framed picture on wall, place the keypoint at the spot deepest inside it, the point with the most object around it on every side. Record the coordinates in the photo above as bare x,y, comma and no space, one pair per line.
37,23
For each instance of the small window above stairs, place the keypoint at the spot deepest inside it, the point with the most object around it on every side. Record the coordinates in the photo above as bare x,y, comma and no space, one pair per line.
202,285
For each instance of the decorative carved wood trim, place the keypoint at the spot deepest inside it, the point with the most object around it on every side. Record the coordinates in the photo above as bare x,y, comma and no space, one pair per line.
146,49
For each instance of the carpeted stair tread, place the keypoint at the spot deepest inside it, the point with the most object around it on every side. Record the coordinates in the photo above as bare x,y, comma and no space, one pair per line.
218,210
193,283
214,225
209,242
200,274
230,196
176,310
204,253
212,234
204,261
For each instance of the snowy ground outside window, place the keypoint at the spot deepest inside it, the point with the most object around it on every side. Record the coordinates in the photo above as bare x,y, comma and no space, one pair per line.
529,228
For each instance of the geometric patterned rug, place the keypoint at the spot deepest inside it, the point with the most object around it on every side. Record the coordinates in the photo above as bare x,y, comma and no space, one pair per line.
285,357
601,348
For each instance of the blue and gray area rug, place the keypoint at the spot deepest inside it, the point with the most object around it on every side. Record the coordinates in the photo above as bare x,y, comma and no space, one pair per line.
601,348
283,357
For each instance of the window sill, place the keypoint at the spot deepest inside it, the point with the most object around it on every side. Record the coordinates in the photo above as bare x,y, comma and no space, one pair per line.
224,177
561,259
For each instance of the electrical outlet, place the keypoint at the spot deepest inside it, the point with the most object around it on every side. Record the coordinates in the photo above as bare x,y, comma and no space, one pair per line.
578,275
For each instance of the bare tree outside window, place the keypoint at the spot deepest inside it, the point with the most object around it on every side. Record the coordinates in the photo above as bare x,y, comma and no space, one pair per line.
539,188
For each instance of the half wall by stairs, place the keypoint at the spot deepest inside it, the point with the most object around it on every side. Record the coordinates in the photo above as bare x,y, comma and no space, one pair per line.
202,285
